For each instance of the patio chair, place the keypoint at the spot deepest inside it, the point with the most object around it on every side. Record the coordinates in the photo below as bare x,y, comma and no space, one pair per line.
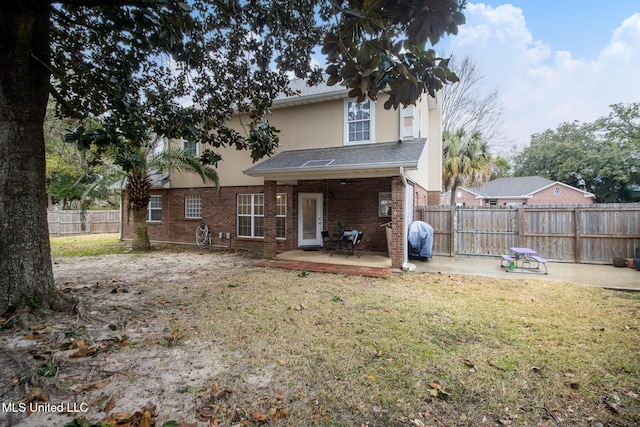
354,243
328,243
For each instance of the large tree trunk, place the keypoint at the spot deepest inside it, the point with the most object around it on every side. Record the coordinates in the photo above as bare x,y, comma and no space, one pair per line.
26,276
138,196
140,236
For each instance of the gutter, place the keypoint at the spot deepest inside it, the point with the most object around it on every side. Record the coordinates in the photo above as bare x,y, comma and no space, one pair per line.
309,99
524,196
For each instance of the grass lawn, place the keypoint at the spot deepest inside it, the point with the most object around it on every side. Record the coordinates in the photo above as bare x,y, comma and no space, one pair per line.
451,350
86,245
413,349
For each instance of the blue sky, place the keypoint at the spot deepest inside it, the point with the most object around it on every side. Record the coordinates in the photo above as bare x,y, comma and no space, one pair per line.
584,28
552,60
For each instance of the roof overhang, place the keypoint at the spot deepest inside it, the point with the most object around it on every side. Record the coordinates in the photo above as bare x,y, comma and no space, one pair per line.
340,93
294,175
524,196
364,161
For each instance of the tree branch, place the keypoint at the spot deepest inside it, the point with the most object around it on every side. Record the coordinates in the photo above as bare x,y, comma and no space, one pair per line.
109,3
63,102
66,19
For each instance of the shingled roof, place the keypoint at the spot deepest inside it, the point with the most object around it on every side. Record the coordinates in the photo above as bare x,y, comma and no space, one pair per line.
523,186
376,156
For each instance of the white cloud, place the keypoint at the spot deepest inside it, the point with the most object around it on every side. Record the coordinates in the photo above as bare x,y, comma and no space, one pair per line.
625,43
540,88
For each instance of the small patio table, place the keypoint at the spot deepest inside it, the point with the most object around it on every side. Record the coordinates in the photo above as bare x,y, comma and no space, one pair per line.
522,263
343,237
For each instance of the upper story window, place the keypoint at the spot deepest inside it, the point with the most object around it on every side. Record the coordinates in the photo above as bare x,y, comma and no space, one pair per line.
359,123
190,146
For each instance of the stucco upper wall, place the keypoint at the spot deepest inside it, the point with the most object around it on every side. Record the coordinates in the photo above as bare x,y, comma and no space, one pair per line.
429,173
315,125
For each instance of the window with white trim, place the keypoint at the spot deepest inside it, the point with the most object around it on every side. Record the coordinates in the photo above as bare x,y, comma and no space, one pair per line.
250,211
359,122
384,204
192,206
281,216
154,209
191,147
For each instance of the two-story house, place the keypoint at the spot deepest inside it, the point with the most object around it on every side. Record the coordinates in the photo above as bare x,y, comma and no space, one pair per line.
338,160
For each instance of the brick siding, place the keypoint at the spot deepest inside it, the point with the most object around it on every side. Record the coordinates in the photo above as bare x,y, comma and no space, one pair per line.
354,201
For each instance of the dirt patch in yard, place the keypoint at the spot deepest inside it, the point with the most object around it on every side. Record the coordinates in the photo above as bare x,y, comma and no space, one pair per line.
210,338
139,342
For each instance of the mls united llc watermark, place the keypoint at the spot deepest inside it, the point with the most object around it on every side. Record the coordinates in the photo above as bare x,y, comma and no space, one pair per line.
67,407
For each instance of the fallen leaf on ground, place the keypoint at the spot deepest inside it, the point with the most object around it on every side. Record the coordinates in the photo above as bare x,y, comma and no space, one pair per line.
110,405
82,349
438,391
259,416
90,386
146,419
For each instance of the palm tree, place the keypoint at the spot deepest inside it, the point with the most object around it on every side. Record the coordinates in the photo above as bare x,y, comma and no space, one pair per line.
465,160
148,160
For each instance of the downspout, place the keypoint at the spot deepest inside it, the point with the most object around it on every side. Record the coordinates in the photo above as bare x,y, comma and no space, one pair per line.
405,250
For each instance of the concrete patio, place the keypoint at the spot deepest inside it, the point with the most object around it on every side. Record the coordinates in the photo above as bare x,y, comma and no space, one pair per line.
606,276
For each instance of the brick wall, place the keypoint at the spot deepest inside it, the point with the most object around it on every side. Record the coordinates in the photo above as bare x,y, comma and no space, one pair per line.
566,195
433,198
467,198
355,202
218,212
397,226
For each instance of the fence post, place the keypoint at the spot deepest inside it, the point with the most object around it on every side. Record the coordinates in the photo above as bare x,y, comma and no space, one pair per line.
521,225
577,212
452,231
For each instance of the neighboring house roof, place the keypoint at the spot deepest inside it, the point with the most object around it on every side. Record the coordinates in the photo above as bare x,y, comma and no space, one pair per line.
518,187
381,159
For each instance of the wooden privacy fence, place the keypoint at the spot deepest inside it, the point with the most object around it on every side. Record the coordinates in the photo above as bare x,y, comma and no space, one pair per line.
76,222
589,234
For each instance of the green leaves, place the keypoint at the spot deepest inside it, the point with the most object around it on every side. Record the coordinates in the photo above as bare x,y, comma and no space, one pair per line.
48,370
380,45
601,157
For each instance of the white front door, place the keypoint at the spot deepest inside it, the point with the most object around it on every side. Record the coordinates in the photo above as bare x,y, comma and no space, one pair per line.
310,219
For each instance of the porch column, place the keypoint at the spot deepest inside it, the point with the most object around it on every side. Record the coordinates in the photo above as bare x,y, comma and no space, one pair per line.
397,222
270,194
